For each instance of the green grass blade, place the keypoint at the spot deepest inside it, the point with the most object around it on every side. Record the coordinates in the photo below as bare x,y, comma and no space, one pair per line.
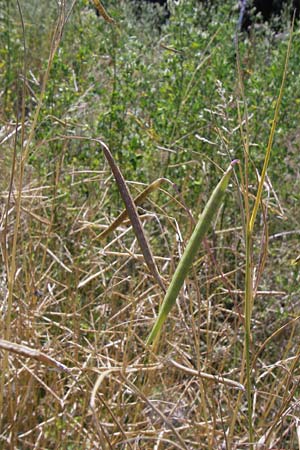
190,252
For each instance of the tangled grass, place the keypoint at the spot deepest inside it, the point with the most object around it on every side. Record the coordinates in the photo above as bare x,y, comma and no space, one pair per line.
78,302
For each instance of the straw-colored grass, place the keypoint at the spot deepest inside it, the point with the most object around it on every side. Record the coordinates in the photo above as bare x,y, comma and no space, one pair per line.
84,269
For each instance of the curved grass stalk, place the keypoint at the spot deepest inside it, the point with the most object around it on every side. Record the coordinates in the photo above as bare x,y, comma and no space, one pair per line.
190,252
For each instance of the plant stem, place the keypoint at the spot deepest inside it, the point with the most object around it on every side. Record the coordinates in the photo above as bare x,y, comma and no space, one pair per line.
248,312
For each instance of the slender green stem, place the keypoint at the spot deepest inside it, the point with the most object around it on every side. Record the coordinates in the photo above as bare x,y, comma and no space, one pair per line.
271,136
249,300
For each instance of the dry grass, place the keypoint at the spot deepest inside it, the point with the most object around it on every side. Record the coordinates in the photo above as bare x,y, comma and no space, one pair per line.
90,307
76,311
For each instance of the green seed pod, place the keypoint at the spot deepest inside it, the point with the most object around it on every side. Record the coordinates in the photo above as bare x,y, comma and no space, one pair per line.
190,252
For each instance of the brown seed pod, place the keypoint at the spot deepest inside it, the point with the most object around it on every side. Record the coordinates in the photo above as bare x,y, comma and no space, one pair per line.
102,11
